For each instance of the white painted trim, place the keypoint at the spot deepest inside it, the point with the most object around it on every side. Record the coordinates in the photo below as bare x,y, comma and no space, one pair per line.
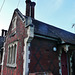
27,42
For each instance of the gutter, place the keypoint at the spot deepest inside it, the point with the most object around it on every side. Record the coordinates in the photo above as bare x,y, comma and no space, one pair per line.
45,37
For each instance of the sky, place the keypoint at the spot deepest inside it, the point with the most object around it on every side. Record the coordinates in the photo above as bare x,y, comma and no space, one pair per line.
59,13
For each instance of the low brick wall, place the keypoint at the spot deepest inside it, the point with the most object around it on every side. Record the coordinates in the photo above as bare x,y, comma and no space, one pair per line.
41,73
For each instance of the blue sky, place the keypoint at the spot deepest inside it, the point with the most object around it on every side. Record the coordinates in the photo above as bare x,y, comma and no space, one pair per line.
59,13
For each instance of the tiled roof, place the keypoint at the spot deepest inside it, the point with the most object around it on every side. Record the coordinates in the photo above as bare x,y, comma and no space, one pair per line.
49,30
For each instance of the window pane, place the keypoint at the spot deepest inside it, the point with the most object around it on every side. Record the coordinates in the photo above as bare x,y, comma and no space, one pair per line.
14,53
9,55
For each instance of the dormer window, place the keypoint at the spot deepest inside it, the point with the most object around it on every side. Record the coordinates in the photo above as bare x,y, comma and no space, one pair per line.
14,23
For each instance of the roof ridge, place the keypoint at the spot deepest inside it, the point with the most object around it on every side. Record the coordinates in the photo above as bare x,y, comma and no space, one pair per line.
20,14
53,26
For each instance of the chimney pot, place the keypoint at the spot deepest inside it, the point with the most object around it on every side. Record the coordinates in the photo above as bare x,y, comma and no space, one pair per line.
33,4
4,32
32,9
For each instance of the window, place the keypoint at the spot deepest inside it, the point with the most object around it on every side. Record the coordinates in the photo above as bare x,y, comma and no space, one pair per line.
12,53
14,23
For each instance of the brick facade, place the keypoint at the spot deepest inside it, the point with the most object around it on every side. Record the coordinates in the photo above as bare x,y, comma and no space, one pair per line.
42,56
19,36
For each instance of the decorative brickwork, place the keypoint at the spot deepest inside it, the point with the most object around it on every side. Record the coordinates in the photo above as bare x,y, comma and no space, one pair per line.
42,56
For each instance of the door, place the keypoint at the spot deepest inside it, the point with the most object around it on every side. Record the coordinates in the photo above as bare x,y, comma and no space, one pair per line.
64,63
73,64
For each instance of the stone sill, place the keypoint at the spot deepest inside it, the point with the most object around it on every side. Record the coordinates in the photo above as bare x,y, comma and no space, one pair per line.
11,65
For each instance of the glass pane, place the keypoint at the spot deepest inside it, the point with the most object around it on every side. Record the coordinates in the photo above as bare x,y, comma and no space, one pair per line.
14,53
9,55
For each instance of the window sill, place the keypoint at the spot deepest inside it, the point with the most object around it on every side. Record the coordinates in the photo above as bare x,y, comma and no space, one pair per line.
11,65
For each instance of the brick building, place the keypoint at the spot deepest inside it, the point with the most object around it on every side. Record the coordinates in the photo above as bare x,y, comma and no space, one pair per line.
34,47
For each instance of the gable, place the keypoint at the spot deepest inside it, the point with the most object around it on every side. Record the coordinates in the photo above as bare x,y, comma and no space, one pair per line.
14,22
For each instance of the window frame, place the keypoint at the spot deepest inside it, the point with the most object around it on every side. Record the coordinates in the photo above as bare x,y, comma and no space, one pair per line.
11,63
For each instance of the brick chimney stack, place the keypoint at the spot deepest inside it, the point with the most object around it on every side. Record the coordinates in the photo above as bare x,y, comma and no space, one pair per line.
30,8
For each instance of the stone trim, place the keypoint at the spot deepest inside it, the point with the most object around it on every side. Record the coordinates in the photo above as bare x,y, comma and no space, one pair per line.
27,42
59,58
71,70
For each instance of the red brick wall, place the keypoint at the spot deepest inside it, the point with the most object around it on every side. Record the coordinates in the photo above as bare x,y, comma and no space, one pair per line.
20,35
42,56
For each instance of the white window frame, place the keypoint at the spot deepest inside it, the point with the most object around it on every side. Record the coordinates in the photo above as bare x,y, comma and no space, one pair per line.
14,23
12,64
